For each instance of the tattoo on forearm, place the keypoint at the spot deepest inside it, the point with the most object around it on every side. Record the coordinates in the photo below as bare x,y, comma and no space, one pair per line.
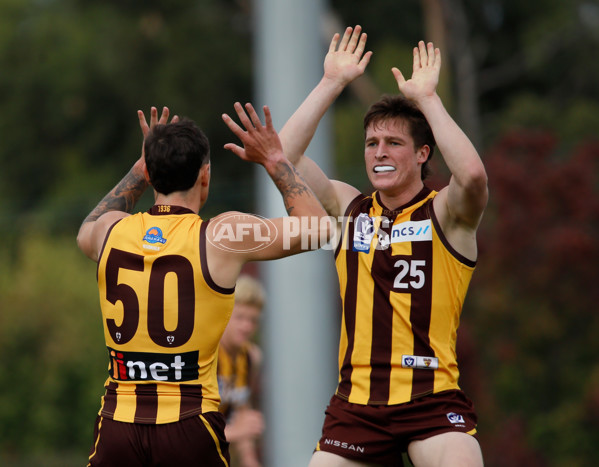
290,184
122,197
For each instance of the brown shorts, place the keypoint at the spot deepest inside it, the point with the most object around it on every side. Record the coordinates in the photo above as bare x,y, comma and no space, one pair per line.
381,433
195,441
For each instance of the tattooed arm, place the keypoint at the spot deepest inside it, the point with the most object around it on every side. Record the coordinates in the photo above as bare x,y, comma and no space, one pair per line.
121,200
118,203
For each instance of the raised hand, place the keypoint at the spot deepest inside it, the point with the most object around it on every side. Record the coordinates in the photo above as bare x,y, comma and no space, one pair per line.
261,143
425,74
143,124
346,60
145,128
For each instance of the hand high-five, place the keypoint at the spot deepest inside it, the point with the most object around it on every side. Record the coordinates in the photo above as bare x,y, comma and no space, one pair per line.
260,142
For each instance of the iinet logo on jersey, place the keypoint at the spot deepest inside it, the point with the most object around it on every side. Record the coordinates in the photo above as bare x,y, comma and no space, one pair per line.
144,366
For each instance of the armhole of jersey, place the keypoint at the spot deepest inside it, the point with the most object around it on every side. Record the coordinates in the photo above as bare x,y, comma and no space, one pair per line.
204,262
104,244
441,235
346,214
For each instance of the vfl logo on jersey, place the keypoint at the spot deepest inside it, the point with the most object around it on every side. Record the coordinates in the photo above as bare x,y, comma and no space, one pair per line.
144,366
363,233
154,235
421,363
455,418
412,231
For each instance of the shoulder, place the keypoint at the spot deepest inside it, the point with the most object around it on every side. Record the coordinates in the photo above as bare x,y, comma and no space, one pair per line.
231,218
232,229
92,235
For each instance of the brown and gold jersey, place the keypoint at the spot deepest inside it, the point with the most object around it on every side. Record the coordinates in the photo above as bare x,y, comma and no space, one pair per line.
163,317
234,377
402,288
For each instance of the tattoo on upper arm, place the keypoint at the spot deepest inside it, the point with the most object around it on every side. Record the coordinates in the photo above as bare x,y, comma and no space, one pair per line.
122,197
290,184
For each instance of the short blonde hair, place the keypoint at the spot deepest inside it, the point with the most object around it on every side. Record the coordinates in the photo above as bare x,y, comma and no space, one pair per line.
249,291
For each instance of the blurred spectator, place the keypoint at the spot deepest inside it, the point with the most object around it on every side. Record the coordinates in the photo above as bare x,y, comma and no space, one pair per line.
239,362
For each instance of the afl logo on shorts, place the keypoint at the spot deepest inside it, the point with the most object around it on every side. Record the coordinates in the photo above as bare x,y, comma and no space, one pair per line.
154,235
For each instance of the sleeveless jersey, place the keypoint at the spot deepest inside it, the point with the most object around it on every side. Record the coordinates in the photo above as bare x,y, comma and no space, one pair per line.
234,376
402,288
163,317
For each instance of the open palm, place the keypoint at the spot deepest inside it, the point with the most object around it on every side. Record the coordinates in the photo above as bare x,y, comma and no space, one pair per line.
425,74
348,61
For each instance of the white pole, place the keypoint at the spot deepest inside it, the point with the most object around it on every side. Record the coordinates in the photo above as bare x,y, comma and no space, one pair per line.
300,333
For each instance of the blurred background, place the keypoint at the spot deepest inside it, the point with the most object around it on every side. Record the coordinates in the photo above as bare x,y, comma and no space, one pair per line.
521,78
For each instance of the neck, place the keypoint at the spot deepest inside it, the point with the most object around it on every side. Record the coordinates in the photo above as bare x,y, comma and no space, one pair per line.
179,199
398,197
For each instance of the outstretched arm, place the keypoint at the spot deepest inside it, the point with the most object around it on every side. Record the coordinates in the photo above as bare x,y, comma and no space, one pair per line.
121,200
462,203
344,62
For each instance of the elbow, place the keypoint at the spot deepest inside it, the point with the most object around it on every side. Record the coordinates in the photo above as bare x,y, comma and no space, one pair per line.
474,186
80,240
478,188
476,180
84,242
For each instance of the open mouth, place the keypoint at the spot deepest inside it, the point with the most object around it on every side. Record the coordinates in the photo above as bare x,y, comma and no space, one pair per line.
384,168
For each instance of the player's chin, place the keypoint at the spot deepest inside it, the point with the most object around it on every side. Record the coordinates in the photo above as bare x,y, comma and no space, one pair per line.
383,181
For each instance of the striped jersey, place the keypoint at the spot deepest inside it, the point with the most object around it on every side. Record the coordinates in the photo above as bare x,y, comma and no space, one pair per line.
163,317
234,376
402,288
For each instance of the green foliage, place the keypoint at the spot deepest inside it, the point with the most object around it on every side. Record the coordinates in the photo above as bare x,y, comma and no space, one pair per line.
51,348
76,72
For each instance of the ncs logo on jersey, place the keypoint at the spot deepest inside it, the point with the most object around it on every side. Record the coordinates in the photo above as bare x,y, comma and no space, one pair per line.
412,231
363,233
154,235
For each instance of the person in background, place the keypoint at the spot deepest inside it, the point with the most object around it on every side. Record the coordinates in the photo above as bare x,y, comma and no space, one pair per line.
239,362
404,260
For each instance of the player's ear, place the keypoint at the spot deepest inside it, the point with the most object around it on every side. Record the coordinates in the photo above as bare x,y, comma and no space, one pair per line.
423,153
146,173
205,174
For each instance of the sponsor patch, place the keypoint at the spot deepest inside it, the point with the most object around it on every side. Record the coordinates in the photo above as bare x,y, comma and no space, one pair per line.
418,362
455,418
344,445
145,366
154,235
363,233
412,231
